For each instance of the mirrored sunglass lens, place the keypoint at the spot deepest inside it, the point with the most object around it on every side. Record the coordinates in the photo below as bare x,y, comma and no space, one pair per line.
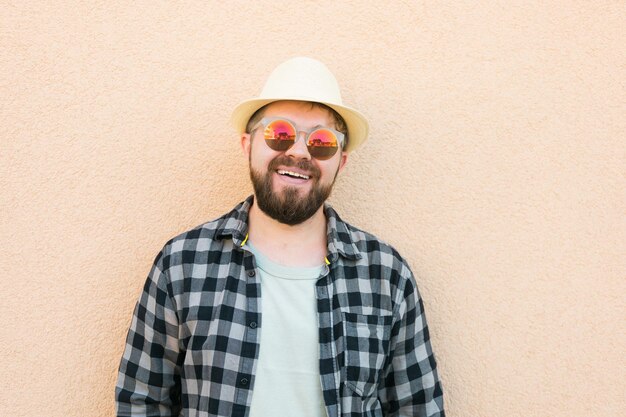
279,135
322,143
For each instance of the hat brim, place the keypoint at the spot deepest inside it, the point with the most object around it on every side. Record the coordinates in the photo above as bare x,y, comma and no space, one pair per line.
356,122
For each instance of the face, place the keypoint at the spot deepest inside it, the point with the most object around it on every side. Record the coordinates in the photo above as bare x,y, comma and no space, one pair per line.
290,186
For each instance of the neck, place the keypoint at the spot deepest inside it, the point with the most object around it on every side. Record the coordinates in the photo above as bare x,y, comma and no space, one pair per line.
302,245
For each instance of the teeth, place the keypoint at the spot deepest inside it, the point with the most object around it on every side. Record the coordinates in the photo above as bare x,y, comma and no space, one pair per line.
292,174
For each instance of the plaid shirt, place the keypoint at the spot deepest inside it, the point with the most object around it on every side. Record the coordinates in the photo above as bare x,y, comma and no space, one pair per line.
193,344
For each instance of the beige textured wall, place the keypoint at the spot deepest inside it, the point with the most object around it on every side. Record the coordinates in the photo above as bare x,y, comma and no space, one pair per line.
495,165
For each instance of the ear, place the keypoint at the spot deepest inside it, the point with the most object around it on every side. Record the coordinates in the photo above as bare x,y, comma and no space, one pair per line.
343,161
246,143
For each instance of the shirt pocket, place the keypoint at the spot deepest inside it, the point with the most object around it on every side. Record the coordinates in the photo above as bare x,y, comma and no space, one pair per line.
366,343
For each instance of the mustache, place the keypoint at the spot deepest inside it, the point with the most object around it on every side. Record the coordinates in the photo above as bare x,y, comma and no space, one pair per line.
302,164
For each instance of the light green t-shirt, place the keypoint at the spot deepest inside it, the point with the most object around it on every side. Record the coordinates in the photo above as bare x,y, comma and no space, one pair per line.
287,376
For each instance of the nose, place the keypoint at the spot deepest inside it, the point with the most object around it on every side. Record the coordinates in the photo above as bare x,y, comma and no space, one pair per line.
299,150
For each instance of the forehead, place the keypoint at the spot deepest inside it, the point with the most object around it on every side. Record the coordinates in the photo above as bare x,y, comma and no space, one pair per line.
301,112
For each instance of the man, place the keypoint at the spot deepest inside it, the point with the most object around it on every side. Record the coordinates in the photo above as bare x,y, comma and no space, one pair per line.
280,308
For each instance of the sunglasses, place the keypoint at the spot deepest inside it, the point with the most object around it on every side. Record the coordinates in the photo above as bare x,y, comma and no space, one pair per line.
281,134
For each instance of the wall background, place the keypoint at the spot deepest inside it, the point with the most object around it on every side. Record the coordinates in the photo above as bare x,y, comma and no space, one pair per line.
495,165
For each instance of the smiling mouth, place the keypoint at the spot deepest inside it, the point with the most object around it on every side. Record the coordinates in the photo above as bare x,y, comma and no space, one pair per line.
292,174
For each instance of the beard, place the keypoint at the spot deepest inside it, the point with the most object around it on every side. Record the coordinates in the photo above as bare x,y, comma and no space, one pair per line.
288,206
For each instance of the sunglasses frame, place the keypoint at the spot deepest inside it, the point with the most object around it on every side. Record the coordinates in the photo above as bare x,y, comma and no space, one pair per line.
267,120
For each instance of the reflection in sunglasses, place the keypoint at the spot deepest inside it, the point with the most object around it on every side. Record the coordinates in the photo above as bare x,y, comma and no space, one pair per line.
280,135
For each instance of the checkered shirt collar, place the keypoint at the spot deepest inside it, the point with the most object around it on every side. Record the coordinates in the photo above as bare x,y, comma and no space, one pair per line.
339,235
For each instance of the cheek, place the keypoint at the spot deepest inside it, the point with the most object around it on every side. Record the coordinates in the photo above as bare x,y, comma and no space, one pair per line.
260,160
329,170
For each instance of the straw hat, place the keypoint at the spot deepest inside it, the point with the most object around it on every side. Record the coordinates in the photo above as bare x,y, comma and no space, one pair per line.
304,79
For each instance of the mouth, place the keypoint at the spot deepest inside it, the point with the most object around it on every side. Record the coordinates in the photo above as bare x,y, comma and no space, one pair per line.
292,174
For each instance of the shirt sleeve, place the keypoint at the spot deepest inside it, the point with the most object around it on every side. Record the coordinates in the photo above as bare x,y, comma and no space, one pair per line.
148,381
411,386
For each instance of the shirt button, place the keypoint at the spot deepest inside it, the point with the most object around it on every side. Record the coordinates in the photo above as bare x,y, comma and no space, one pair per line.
253,324
244,381
251,273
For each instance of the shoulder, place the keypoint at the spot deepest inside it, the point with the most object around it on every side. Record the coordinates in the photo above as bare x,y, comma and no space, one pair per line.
366,256
370,265
197,238
201,240
366,248
377,249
